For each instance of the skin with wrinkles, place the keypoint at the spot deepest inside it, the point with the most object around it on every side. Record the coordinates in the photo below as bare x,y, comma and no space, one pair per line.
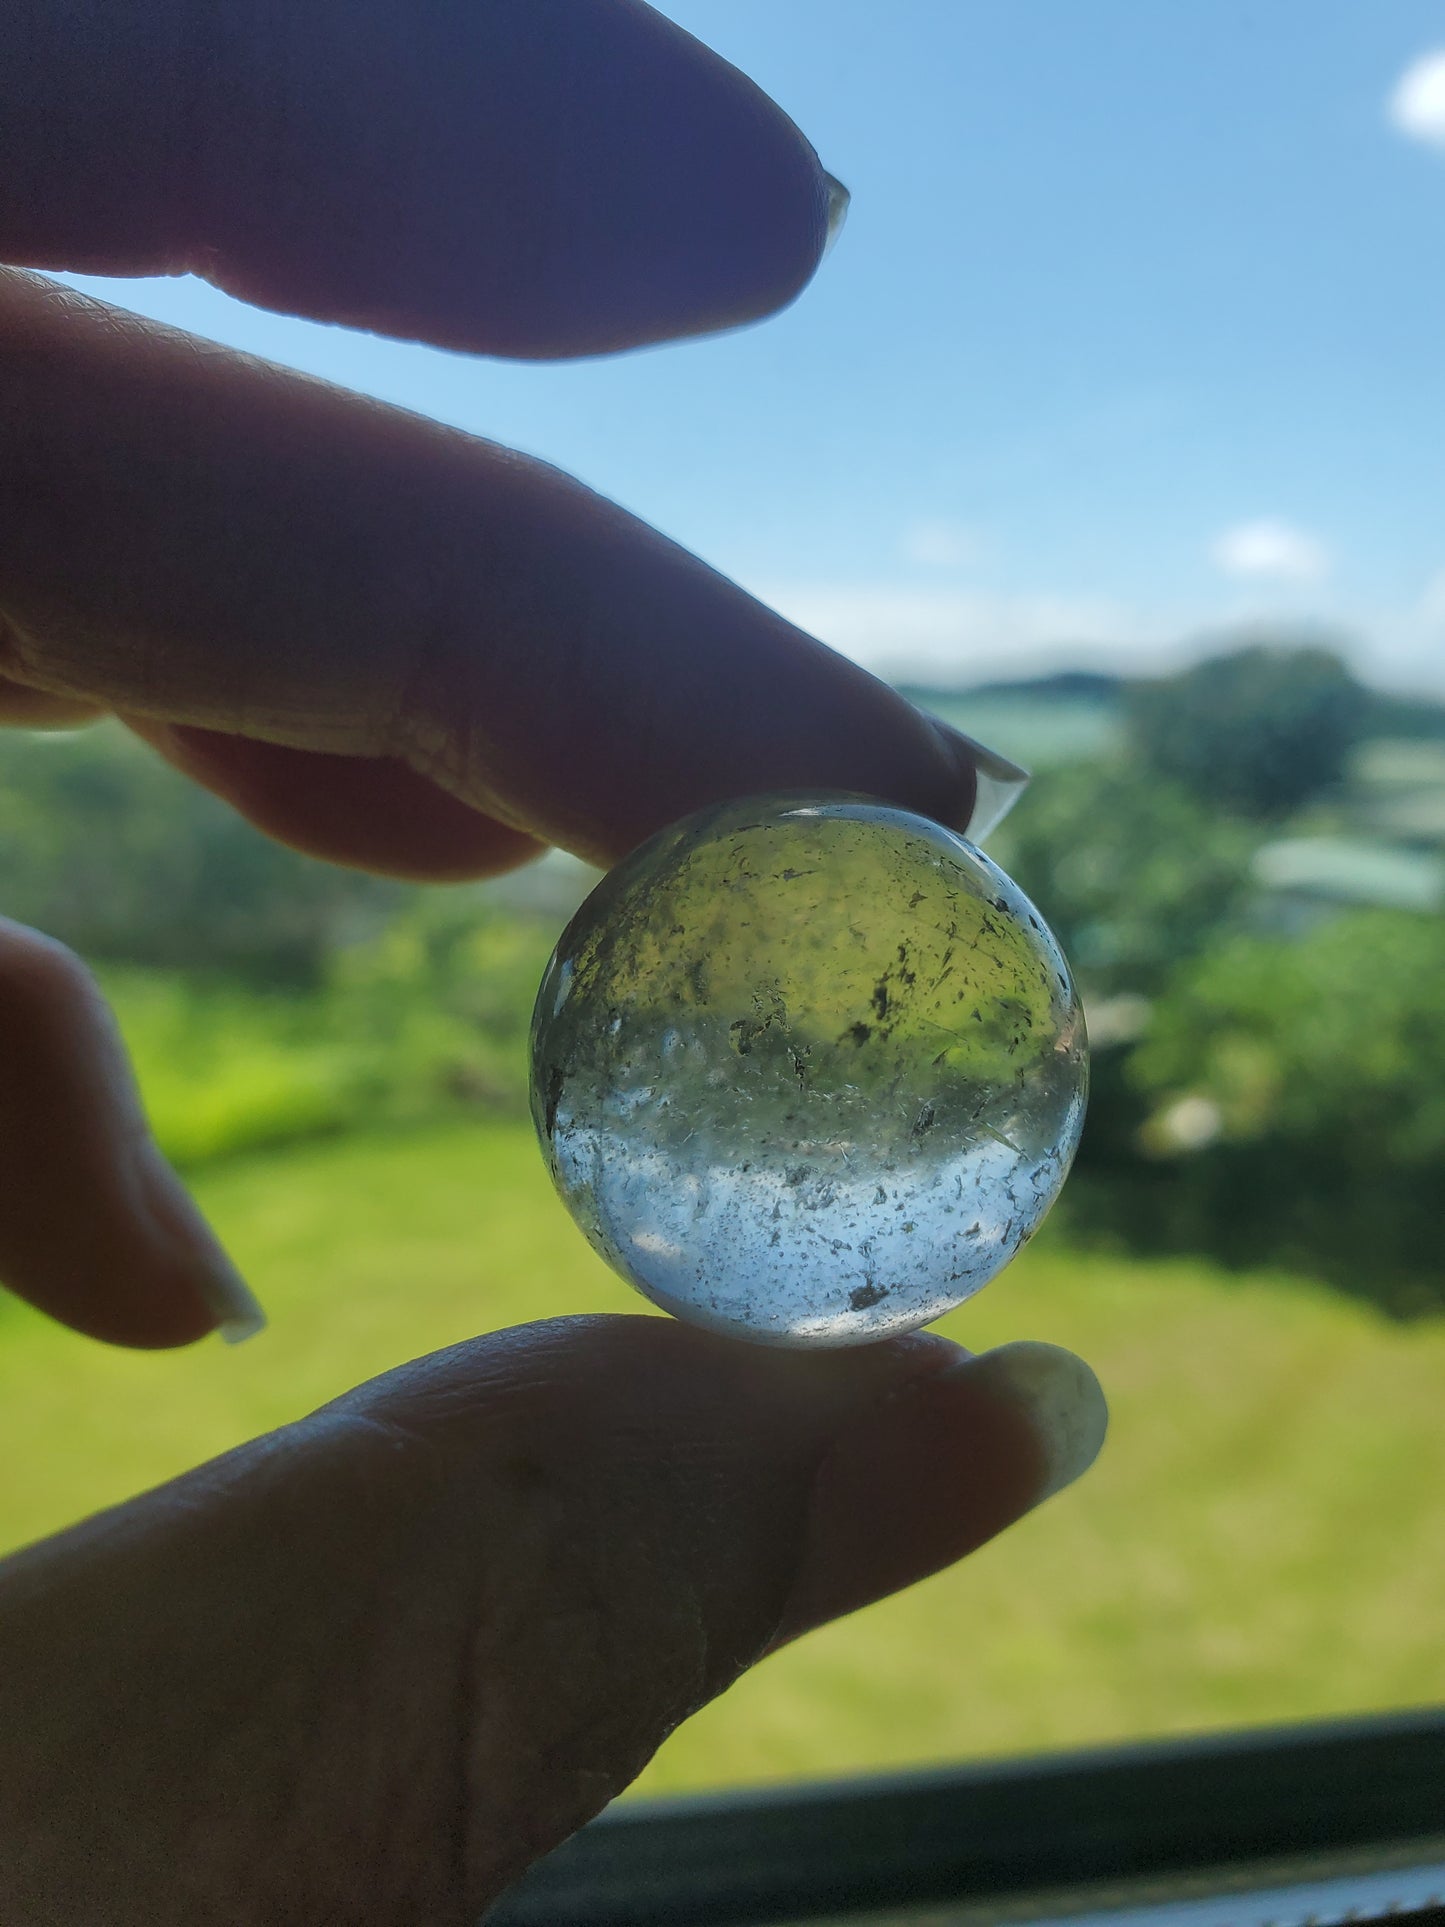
476,1597
363,1670
561,178
261,554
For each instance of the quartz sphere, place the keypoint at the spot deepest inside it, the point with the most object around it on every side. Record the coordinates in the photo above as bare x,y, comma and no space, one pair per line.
808,1071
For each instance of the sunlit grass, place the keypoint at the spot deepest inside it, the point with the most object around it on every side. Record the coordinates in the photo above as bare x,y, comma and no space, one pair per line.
1264,1538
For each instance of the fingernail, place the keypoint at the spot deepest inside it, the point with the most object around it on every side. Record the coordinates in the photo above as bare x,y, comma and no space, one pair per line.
1059,1396
198,1253
954,1454
998,783
238,1310
839,201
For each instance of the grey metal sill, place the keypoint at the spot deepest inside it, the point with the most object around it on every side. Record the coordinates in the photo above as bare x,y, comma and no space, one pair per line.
1266,1828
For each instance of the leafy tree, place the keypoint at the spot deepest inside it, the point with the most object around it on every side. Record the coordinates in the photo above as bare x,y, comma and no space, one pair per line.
1324,1061
428,1018
105,847
1334,1040
1259,731
1131,872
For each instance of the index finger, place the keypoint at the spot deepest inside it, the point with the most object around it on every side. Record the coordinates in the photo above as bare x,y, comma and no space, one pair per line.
195,538
555,177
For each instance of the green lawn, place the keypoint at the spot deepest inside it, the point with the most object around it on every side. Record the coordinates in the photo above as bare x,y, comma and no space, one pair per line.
1264,1538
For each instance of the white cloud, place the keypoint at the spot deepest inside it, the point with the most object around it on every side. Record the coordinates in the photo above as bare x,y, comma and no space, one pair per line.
957,636
1417,106
954,637
941,544
1270,551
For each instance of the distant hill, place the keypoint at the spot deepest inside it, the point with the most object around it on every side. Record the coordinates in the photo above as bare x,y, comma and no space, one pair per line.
1077,715
1066,718
1420,717
1066,685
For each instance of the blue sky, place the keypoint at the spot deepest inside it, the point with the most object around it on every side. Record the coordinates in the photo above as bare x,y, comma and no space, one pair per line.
1137,330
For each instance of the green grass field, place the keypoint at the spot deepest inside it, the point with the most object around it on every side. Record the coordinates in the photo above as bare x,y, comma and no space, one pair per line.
1264,1538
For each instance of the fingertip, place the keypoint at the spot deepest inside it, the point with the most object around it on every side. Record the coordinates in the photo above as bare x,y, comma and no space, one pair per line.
839,202
947,1459
682,200
95,1228
581,178
135,1265
1060,1399
204,1273
997,781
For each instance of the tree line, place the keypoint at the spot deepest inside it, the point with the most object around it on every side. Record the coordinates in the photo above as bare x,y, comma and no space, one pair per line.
1264,1092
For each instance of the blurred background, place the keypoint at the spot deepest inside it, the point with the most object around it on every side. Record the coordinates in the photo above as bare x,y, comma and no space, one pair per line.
1113,430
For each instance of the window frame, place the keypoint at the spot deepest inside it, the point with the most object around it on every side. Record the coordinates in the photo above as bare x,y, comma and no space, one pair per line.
1076,1832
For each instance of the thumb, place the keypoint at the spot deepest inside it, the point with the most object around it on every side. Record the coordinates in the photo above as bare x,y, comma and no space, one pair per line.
368,1669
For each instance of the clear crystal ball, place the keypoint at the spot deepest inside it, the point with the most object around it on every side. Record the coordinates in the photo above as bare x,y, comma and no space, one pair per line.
806,1071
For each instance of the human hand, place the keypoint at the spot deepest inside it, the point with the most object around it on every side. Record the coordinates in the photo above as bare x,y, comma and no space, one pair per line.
385,642
364,1669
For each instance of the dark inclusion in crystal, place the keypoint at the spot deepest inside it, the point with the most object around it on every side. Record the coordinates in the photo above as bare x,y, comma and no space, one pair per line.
808,1071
